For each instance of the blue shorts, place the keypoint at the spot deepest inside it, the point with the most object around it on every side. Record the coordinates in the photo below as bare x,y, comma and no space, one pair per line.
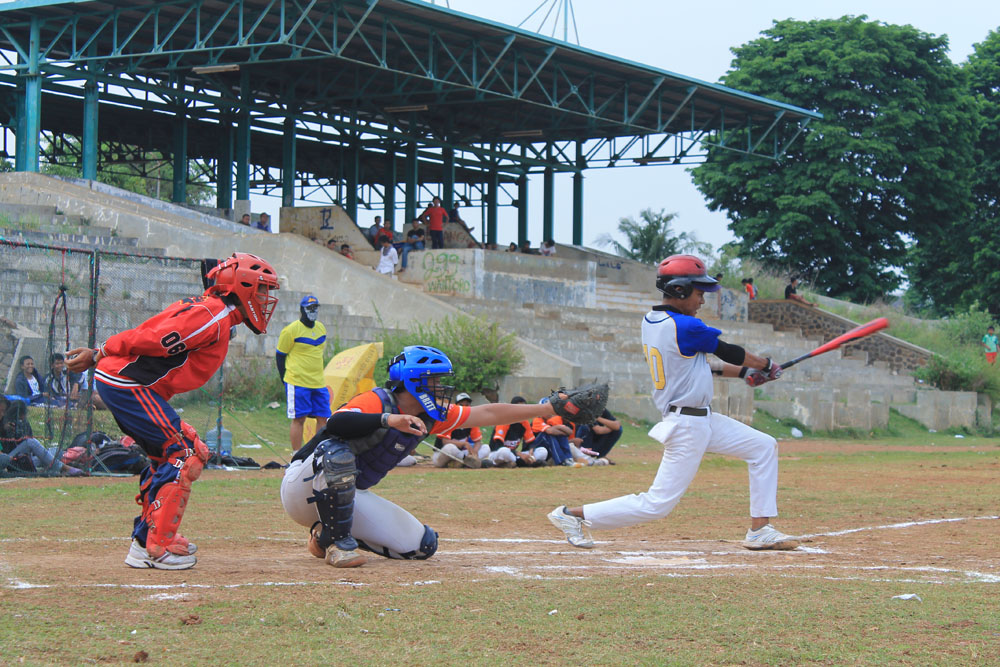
305,402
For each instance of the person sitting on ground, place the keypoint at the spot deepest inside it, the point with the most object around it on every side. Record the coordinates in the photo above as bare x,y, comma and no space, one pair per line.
553,434
21,451
791,293
506,439
62,386
388,257
345,250
28,384
548,248
597,439
463,444
414,241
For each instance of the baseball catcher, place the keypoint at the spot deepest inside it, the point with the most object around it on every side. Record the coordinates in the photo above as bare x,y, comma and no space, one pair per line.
328,486
140,370
676,345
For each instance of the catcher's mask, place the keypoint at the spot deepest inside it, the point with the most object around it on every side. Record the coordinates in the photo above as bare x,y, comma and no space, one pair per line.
679,275
422,370
250,280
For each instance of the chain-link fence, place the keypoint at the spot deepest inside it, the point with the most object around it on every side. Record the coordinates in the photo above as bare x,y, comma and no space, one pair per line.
53,299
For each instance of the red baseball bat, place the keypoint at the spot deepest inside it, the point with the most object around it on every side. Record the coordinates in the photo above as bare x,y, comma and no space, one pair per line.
854,334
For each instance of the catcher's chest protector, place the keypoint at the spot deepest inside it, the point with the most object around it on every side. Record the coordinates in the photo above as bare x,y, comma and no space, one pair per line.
392,446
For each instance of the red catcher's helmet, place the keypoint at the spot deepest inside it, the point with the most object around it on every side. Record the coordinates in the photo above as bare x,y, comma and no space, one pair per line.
678,275
241,276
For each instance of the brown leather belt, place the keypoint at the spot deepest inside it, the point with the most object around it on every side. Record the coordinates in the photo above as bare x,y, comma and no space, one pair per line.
692,412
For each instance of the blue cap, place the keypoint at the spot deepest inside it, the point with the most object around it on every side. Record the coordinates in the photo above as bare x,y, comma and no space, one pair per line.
308,300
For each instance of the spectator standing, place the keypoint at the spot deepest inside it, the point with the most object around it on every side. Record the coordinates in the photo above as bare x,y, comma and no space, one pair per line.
435,216
373,230
750,289
548,248
299,358
62,386
792,294
990,345
28,383
264,223
414,241
388,258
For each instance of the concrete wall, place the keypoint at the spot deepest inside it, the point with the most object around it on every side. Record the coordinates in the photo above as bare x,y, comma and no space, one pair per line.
814,323
301,264
323,223
511,277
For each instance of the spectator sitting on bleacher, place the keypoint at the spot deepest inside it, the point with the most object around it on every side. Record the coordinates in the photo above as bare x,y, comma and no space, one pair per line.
28,383
548,248
527,249
384,232
414,241
345,250
61,385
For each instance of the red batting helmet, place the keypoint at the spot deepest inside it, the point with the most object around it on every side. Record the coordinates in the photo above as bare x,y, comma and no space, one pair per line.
242,275
678,275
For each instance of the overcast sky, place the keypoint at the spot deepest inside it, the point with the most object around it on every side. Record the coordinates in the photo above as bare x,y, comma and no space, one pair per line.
694,39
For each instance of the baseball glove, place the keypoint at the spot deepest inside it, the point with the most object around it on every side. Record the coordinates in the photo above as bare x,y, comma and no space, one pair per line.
582,405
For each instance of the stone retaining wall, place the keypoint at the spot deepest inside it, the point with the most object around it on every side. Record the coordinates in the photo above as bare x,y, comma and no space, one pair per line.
784,315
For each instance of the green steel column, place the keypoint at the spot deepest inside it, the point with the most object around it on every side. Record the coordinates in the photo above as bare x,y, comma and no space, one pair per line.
448,179
522,209
288,163
352,168
578,196
32,102
389,194
91,142
243,139
411,181
180,156
548,203
20,126
224,164
493,206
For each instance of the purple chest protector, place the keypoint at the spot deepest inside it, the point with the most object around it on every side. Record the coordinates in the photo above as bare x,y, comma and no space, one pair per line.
382,451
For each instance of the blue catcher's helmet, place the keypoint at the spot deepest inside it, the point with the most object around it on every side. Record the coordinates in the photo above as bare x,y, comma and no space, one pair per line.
421,369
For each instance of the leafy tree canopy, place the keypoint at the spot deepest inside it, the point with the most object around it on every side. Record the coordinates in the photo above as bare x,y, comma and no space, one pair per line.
649,239
888,164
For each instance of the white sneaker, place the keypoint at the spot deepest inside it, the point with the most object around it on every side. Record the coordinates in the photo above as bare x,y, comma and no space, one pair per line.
343,557
767,537
573,526
139,557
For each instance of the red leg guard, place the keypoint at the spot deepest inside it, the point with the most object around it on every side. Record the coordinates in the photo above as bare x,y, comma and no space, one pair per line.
166,512
200,448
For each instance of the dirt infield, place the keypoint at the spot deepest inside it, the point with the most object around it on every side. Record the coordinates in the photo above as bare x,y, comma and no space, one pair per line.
877,524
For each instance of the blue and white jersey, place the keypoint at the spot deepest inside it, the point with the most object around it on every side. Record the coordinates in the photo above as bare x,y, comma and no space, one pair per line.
675,347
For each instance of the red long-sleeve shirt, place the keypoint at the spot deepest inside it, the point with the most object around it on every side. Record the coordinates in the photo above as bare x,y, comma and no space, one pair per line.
173,352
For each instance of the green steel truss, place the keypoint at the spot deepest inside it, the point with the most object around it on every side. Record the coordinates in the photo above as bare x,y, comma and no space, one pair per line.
372,76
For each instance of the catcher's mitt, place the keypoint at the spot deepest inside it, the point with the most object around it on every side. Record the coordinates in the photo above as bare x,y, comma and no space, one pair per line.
582,405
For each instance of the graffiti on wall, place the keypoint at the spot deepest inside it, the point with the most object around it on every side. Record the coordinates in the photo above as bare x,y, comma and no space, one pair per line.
441,273
325,215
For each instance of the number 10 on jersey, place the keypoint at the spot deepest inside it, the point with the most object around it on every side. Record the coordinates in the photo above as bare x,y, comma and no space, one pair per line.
655,361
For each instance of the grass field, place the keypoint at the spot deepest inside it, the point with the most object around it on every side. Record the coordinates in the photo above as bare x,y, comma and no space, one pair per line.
904,514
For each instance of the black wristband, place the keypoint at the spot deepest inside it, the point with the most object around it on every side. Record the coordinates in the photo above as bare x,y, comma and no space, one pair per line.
767,369
743,371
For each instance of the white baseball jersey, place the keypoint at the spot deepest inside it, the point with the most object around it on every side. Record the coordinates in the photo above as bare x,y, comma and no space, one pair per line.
675,347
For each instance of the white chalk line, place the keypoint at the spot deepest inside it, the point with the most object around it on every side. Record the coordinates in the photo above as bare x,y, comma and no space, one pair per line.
905,524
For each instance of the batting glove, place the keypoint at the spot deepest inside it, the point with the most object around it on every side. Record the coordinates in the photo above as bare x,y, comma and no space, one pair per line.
756,378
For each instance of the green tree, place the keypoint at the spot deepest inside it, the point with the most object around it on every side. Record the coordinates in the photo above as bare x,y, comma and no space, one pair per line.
649,240
962,268
151,175
887,166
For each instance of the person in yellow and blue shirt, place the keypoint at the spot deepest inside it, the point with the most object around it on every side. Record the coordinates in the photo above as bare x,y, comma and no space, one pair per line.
300,365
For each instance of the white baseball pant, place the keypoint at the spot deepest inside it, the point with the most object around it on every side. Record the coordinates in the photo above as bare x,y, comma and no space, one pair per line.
685,440
378,522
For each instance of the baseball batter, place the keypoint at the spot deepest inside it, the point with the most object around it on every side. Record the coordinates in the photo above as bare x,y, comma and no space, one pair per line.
327,486
676,345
